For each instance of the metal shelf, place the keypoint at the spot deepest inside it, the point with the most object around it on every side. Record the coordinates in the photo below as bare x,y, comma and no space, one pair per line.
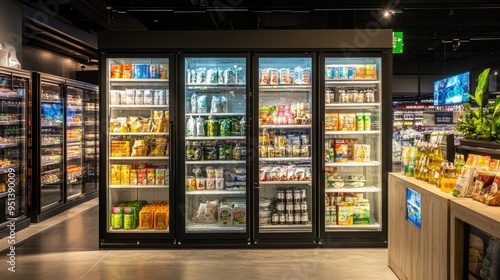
285,228
50,184
353,81
139,158
215,114
216,138
139,230
352,105
285,87
75,124
286,126
216,162
9,122
352,163
213,228
137,133
51,163
8,145
286,159
139,80
285,182
74,157
51,101
138,107
138,186
353,132
373,227
216,192
50,171
52,126
357,190
214,86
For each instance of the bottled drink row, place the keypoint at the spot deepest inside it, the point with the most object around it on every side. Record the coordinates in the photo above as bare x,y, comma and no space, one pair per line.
139,71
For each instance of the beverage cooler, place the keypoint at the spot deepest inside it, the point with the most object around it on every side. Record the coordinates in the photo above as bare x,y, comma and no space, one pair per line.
136,163
213,150
14,89
57,140
285,152
355,143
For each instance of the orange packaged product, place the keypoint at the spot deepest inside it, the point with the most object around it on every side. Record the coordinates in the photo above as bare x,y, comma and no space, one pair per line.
116,71
161,220
126,71
146,218
332,122
151,176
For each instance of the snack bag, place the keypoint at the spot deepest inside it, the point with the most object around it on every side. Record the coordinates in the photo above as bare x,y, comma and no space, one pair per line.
265,76
466,176
358,153
347,121
151,176
194,98
223,104
158,122
140,148
161,176
239,214
134,124
215,105
493,198
366,152
201,104
191,127
160,145
133,177
129,221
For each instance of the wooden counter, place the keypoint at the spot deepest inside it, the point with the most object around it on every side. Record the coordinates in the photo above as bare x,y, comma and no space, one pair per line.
419,253
476,214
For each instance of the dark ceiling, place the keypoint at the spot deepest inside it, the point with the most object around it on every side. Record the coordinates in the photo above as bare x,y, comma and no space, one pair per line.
440,37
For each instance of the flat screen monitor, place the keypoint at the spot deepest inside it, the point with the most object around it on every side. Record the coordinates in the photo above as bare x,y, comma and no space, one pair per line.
452,90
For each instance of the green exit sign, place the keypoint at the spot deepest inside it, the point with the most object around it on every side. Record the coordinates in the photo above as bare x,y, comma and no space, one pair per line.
397,42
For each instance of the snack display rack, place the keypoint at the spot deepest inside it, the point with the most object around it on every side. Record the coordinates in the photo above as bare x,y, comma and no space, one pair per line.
91,140
353,137
59,132
285,189
14,89
135,145
215,158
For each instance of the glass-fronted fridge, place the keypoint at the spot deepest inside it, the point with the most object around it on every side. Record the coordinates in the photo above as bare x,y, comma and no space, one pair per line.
352,178
91,140
74,142
135,144
48,142
215,156
284,186
14,90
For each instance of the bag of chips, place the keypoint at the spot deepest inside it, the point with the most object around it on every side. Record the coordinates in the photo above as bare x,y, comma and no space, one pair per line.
140,148
160,144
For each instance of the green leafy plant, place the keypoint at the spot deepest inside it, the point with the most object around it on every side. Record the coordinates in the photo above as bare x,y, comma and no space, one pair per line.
483,122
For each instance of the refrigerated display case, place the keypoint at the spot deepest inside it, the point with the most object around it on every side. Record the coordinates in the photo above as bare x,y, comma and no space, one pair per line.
14,89
57,145
354,147
91,140
135,144
285,190
215,197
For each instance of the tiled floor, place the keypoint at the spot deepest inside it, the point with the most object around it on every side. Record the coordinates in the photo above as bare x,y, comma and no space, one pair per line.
66,247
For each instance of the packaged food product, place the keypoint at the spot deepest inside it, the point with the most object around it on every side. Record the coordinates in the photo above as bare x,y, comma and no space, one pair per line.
190,183
367,118
483,180
129,221
225,214
215,105
161,219
206,213
125,174
285,78
116,218
139,97
225,127
163,71
148,97
115,97
158,121
366,152
201,184
361,213
126,71
493,198
239,214
210,151
146,124
142,178
345,212
115,174
210,184
160,145
341,150
465,177
360,123
347,121
140,148
146,219
332,121
265,76
133,177
219,183
151,175
275,76
116,71
358,153
134,124
191,126
201,104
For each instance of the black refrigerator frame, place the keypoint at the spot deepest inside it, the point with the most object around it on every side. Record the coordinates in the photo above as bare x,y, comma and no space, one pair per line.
214,239
359,238
137,240
37,214
284,238
21,221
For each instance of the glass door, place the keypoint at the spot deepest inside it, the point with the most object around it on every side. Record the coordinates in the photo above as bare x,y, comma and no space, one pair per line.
13,93
215,145
51,145
138,145
352,141
91,140
285,189
74,142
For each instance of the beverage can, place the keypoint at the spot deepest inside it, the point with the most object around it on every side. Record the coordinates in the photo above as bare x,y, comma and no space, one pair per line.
367,121
360,123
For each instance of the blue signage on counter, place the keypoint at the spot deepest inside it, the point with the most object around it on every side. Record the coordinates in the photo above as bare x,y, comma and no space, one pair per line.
413,207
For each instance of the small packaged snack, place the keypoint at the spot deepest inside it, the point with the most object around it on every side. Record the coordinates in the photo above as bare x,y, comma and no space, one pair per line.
347,121
275,76
139,97
215,105
194,102
285,76
130,97
358,153
210,172
148,97
223,105
332,121
201,104
341,150
140,148
493,198
366,152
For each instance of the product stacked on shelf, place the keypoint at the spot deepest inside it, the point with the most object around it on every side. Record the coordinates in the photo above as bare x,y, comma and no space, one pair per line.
215,145
138,144
74,142
91,139
13,94
352,143
285,152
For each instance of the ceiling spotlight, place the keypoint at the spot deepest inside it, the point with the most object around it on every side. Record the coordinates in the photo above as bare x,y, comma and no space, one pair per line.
388,13
496,73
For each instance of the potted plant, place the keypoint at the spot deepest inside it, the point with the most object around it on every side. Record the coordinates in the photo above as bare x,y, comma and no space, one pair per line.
481,123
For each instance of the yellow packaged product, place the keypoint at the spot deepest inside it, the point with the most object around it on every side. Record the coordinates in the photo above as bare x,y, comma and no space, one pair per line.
151,176
125,175
160,176
158,121
332,122
115,174
133,177
135,124
347,121
366,152
140,148
160,147
161,220
358,153
146,218
350,152
345,212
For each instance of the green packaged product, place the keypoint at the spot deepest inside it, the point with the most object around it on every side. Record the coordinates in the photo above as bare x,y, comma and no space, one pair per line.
225,152
235,127
225,127
116,217
212,127
129,218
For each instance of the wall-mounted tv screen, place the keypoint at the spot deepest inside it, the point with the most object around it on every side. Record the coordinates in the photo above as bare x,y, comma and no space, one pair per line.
452,90
52,111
